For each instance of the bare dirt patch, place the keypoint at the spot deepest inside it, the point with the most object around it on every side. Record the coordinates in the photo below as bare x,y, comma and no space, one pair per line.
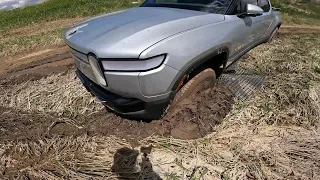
35,65
20,125
32,58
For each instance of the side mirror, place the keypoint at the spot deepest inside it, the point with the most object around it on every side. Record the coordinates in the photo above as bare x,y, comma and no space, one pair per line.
252,10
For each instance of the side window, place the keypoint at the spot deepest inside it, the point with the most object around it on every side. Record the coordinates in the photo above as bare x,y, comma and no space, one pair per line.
264,4
254,2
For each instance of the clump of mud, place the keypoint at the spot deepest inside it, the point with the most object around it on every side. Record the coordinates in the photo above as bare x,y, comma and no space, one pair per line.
198,115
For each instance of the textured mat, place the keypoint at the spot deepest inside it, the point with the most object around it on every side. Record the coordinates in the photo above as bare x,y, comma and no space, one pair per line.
244,85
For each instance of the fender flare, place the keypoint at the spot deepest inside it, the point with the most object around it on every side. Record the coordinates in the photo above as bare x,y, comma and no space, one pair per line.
199,60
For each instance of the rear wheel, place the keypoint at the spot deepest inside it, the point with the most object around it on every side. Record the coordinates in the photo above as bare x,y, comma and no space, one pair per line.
204,80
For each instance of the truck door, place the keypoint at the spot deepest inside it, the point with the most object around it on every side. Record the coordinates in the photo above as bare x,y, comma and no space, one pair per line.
257,22
267,16
247,29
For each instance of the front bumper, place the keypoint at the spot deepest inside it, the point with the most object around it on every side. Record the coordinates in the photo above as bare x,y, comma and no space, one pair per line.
149,86
130,108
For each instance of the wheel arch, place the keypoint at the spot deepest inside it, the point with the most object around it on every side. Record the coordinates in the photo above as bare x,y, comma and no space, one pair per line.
213,58
279,25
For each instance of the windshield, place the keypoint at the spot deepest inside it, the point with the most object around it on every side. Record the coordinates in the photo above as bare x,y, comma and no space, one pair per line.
212,6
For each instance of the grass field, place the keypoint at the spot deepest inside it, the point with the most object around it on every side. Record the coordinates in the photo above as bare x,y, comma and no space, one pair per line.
58,9
273,135
42,25
299,12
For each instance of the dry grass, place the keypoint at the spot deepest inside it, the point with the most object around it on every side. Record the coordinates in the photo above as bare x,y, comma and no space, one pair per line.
60,94
42,25
274,135
34,36
18,44
58,158
40,28
299,11
292,66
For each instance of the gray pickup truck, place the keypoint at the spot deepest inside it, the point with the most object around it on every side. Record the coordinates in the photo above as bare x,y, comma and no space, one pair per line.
139,61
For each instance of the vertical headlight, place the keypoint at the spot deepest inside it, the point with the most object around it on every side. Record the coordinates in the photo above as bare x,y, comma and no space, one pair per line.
97,70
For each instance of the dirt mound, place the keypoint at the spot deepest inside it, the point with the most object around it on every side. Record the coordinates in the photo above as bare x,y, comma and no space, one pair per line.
198,115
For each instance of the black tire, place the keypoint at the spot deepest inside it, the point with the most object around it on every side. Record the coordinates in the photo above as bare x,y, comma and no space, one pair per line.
194,85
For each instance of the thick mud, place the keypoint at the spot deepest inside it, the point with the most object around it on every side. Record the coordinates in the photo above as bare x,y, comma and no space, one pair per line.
193,118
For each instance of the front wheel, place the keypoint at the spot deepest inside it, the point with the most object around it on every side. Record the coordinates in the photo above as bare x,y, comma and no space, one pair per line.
204,80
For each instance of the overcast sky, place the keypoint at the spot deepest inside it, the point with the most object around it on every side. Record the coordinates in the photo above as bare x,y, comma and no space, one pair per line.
12,4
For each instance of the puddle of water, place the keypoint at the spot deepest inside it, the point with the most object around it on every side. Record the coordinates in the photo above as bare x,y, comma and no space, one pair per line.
6,5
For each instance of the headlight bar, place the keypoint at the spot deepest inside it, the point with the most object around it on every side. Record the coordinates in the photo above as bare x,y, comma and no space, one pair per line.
133,65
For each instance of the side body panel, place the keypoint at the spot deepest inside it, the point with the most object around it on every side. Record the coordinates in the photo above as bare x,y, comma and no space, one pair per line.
185,49
271,20
238,35
248,29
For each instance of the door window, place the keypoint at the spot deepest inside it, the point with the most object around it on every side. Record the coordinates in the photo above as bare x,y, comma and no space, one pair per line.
212,6
254,2
264,4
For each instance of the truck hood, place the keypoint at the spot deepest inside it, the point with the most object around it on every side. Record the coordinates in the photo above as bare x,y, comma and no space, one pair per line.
125,34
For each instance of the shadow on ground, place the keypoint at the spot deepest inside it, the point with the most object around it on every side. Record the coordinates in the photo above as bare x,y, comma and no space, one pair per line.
126,164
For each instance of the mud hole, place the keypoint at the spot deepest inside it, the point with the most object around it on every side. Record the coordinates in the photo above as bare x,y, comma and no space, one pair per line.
193,118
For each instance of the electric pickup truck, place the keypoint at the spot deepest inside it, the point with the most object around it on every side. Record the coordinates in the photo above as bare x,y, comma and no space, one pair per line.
138,62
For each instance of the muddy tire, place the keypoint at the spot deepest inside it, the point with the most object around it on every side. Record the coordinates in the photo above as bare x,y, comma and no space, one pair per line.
204,80
273,35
